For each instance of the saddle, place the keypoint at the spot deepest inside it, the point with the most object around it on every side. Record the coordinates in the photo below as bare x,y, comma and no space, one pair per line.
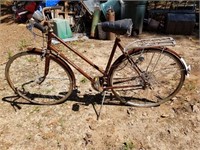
119,27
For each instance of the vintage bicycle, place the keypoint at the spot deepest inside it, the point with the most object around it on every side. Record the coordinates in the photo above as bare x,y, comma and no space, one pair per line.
146,74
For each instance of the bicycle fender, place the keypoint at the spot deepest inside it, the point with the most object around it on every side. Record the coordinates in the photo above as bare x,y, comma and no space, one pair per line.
187,67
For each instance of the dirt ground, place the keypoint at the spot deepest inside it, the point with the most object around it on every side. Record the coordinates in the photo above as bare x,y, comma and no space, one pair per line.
73,125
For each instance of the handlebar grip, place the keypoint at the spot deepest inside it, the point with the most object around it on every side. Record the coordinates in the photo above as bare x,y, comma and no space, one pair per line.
40,27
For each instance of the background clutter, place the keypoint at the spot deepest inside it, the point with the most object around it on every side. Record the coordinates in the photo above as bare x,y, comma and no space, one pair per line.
85,16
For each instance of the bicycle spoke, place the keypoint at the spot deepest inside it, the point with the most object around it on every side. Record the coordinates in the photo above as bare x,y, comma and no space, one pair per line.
161,77
30,83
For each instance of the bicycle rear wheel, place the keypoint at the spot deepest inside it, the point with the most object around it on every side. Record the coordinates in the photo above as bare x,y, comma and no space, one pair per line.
25,75
163,72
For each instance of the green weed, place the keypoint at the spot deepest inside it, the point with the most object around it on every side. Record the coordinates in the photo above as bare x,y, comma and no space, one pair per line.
128,146
83,80
9,53
23,44
35,109
190,86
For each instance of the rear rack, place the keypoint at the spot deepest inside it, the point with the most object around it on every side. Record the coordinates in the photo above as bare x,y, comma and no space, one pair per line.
153,42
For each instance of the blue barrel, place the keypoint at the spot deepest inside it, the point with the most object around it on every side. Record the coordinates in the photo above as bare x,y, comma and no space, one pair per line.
50,3
136,11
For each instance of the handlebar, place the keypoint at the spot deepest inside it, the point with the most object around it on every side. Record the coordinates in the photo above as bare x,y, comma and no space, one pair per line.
43,27
40,27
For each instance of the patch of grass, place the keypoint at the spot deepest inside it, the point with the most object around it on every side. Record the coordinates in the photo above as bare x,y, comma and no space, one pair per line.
75,43
31,59
19,125
23,44
62,123
50,90
39,124
190,86
35,109
128,146
9,54
83,80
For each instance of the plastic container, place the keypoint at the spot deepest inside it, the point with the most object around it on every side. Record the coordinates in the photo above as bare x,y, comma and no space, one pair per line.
101,33
136,11
95,21
111,4
38,15
180,23
62,28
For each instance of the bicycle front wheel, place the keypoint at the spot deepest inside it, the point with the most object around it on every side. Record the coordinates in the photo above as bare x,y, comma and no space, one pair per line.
25,75
161,77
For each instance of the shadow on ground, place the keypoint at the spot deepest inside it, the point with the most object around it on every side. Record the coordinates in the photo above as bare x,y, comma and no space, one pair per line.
88,99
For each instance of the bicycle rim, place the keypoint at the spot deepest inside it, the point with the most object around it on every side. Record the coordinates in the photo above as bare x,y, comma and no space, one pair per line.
25,75
162,70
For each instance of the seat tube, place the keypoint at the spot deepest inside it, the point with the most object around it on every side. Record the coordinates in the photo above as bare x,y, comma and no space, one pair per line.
117,40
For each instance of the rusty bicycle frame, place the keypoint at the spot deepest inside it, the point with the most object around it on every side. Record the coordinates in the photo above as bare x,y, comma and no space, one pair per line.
105,73
51,47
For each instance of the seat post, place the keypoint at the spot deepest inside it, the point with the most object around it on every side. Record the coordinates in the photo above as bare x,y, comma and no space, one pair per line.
117,38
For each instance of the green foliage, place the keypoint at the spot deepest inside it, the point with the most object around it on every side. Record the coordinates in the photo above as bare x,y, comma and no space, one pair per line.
128,146
9,53
83,80
35,109
23,44
190,86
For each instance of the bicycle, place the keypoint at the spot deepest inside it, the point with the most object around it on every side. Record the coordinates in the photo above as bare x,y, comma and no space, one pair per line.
145,75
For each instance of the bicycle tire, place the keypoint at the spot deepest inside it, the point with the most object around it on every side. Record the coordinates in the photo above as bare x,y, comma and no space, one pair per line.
161,68
24,72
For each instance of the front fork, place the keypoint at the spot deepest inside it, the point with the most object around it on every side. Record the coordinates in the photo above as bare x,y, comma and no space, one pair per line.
46,56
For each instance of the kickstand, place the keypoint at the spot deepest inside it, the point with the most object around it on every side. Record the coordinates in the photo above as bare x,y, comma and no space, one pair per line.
103,99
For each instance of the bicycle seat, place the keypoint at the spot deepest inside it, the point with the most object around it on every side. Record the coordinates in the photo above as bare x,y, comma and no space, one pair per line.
119,27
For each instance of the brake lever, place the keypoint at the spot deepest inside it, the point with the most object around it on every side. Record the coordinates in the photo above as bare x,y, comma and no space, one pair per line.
30,25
